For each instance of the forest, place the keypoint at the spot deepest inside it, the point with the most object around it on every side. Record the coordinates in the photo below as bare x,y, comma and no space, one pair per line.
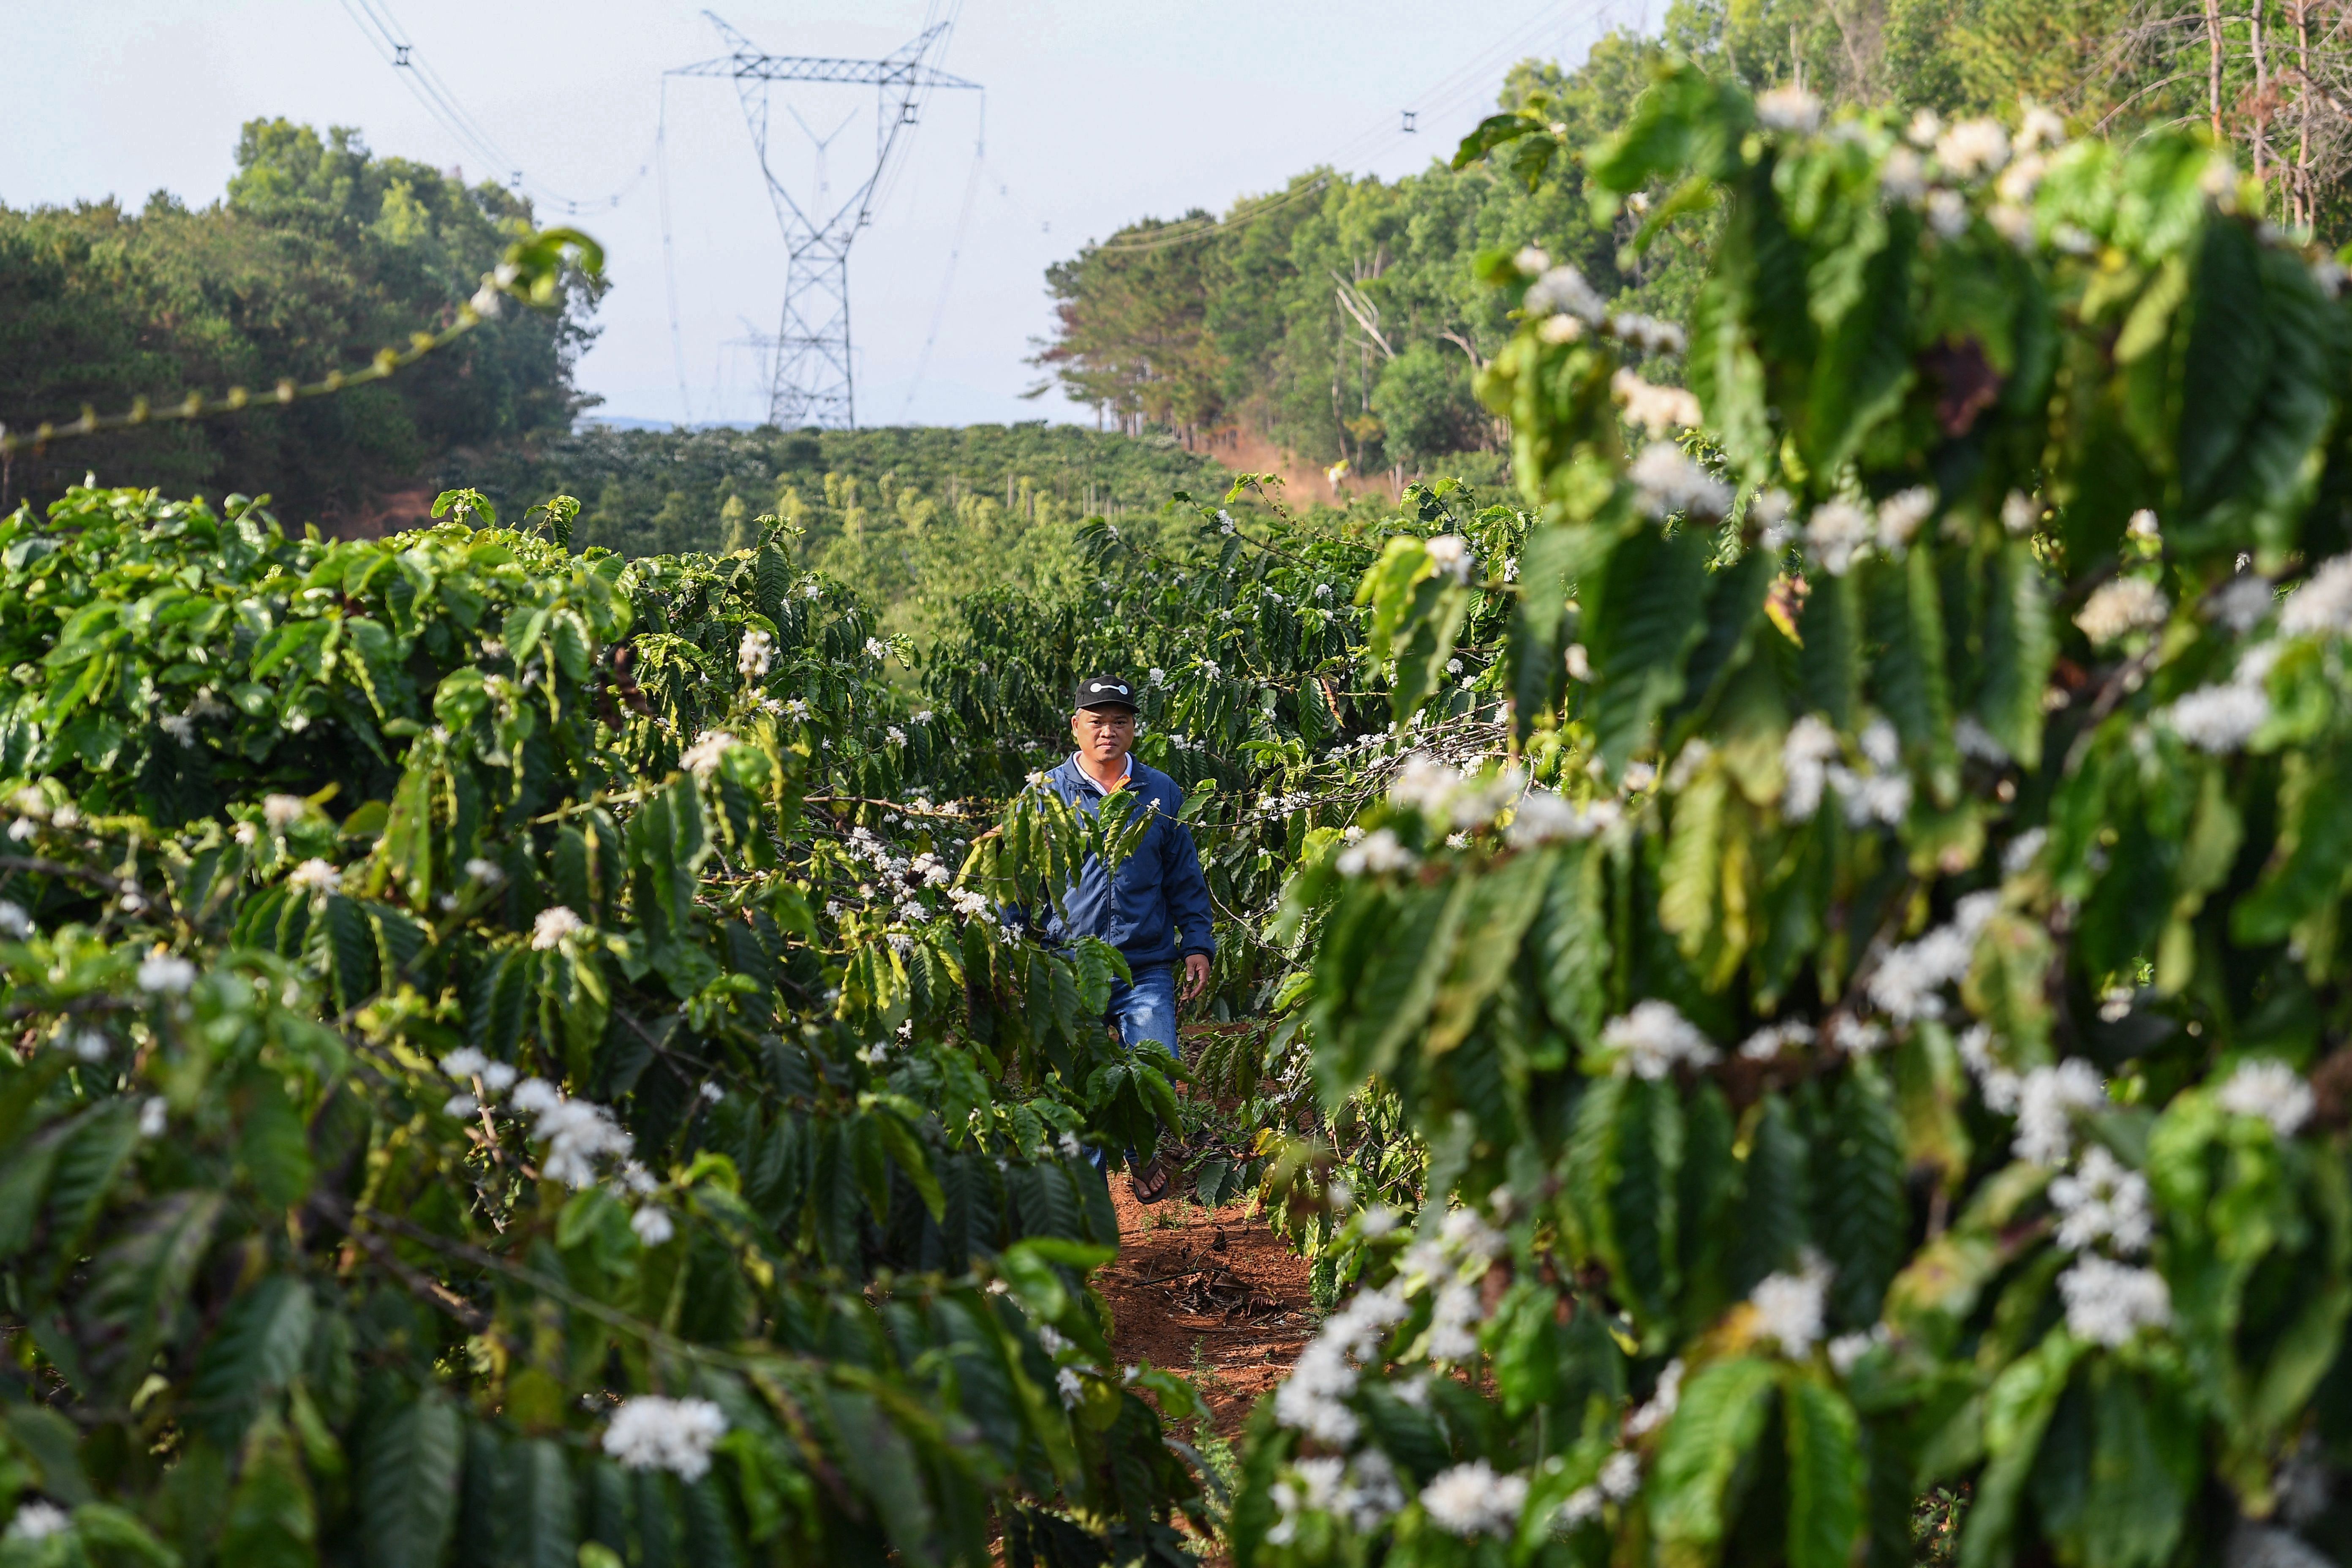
1338,318
1775,945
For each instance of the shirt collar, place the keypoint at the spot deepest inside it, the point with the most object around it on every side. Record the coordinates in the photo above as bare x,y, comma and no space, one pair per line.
1078,767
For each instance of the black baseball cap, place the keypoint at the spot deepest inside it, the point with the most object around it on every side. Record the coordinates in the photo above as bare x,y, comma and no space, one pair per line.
1106,692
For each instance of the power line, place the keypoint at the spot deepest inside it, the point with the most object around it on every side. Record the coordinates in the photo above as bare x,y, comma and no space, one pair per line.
395,48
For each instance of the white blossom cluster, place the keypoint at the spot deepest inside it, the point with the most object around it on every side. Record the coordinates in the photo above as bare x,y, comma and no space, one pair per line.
1908,982
1541,817
1788,108
316,877
553,925
702,758
2102,1202
2272,1090
2220,718
1811,761
1560,291
654,1433
577,1132
1471,1499
38,1520
2046,1100
2117,608
1838,532
1769,1042
1361,1490
2108,1302
1670,483
166,975
1377,851
756,655
1467,1499
1654,1038
1648,333
14,924
1450,553
1791,1308
2323,605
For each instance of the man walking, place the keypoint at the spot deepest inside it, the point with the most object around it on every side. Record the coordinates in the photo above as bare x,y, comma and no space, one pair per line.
1155,910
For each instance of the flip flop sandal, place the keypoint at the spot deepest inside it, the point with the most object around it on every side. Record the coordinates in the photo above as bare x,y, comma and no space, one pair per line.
1149,1181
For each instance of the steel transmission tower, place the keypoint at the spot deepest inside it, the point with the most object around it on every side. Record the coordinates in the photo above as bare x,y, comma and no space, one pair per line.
813,381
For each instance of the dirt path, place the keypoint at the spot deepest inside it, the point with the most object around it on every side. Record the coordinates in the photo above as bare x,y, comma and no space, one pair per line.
1210,1293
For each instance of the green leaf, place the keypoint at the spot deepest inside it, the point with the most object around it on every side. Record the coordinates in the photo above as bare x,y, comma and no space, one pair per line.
408,1484
2020,644
273,1520
1649,613
1718,1422
1825,1473
255,1352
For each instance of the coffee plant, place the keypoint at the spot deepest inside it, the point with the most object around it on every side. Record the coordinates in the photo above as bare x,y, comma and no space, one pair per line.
512,1063
1876,1026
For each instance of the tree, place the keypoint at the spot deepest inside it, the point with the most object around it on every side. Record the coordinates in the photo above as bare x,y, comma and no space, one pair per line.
320,255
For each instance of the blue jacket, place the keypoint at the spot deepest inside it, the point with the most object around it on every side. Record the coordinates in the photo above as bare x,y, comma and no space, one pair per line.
1157,908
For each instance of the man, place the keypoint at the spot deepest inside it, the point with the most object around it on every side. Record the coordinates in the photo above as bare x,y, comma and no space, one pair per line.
1155,911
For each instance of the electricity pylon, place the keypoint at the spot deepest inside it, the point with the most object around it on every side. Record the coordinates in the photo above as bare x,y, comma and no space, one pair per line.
813,381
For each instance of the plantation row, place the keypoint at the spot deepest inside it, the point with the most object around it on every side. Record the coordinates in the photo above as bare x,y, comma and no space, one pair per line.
1800,970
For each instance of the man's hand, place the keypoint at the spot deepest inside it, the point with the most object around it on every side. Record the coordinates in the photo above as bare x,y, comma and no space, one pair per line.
1196,975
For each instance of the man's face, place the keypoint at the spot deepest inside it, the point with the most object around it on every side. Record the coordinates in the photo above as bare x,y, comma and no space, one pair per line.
1104,735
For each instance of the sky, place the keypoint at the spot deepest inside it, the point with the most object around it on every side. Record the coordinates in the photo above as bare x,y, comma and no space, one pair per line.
1093,115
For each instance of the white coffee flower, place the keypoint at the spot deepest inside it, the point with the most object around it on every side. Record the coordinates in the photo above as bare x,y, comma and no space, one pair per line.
756,655
1562,290
1663,1402
552,926
1659,410
1767,1043
1790,1308
1901,175
2102,1200
315,876
180,727
1788,108
652,1225
154,1115
2120,607
283,811
166,975
37,1520
1671,483
1654,1038
1380,851
1973,147
1900,515
2019,513
1452,555
2219,718
653,1433
14,924
2108,1302
2272,1090
1471,1499
1811,746
1837,531
702,758
2047,1100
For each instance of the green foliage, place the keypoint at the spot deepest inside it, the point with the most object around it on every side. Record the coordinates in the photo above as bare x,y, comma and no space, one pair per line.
1885,1029
320,255
915,519
463,990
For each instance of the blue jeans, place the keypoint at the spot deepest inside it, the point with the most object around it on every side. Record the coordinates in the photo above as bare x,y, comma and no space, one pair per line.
1145,1010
